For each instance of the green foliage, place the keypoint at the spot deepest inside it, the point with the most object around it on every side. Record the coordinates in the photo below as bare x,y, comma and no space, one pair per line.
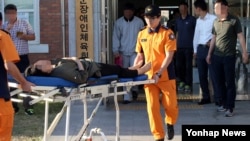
30,127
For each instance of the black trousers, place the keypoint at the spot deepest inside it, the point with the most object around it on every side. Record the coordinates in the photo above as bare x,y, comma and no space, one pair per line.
184,67
224,70
204,69
21,65
108,69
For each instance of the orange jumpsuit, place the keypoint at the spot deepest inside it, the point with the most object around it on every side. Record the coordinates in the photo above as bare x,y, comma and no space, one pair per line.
8,53
154,45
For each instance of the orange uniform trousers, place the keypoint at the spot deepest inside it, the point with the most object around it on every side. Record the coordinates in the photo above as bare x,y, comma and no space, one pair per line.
169,102
6,120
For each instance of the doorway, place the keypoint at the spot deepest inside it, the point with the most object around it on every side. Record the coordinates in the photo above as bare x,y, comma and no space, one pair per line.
112,10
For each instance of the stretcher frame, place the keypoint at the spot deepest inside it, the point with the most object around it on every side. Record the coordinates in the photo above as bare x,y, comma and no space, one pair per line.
84,93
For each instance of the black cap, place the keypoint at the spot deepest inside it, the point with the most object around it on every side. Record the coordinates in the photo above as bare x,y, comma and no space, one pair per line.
152,10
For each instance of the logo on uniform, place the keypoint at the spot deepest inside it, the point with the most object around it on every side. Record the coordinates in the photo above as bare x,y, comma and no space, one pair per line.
149,9
143,40
172,36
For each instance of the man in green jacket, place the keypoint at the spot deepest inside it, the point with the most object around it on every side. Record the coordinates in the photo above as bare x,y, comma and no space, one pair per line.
79,70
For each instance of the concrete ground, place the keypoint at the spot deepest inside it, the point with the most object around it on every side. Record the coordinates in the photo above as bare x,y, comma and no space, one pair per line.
134,120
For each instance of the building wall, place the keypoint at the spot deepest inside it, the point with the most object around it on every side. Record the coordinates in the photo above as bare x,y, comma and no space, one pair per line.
51,30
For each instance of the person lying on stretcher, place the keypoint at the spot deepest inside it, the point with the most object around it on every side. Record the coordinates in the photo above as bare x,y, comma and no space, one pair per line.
79,70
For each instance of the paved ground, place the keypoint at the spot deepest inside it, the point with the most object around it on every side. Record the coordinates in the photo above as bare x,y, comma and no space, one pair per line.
134,120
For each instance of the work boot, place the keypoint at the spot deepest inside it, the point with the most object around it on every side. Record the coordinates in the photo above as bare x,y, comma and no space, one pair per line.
170,131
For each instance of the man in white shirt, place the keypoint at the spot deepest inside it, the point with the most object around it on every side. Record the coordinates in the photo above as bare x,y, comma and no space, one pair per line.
202,37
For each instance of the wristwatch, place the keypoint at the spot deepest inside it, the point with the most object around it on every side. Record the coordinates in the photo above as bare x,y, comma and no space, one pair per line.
158,74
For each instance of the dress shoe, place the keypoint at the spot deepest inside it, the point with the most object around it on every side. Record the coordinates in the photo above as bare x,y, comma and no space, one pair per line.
170,131
204,101
126,102
135,95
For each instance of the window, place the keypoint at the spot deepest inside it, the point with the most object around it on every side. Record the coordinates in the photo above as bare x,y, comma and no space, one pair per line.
28,10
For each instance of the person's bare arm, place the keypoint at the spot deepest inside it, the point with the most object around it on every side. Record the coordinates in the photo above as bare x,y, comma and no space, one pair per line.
27,37
13,70
243,46
139,57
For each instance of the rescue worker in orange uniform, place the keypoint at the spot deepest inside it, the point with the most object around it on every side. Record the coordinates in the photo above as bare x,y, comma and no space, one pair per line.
8,55
157,44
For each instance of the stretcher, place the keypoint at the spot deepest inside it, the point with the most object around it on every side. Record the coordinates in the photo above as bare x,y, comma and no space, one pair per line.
48,88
